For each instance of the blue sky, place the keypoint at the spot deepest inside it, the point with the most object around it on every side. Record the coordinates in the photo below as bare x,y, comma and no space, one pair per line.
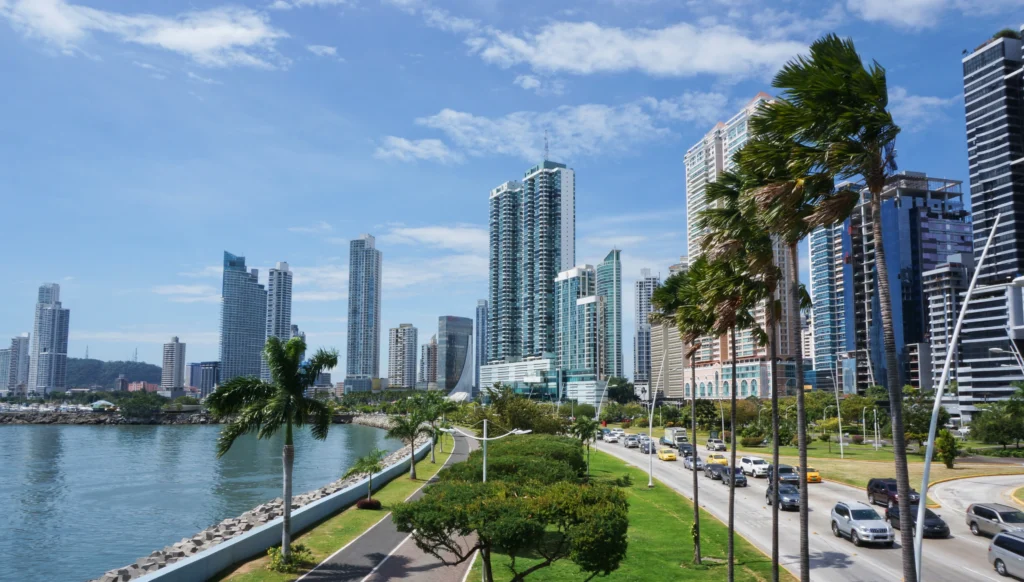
142,139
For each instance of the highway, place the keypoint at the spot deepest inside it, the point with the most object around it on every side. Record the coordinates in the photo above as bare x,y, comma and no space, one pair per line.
960,557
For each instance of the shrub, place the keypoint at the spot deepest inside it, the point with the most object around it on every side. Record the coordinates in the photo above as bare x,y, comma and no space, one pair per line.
669,424
627,424
823,437
368,504
299,559
727,436
793,442
858,439
751,441
624,481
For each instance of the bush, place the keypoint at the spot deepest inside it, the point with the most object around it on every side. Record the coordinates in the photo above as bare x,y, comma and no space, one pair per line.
794,441
368,504
299,559
858,439
751,441
627,424
823,437
669,424
727,436
624,481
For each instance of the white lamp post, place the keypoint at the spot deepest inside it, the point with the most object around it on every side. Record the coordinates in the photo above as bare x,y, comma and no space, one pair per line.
484,439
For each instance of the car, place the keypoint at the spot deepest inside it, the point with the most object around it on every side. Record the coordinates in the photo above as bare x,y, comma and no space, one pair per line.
717,459
631,442
811,474
686,449
754,466
883,492
715,445
689,460
861,523
787,474
789,496
712,471
994,518
666,454
934,526
738,477
1006,554
611,437
647,447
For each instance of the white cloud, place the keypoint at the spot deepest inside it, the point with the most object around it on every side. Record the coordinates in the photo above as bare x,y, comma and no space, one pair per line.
321,50
463,237
318,227
320,283
201,79
442,20
914,112
528,82
918,14
284,5
444,270
189,293
280,5
219,37
533,83
406,150
691,107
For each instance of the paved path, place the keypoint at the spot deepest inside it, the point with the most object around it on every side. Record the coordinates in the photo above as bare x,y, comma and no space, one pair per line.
959,558
384,553
956,495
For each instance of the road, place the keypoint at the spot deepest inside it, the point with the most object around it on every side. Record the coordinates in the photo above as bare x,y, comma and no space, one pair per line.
958,558
383,553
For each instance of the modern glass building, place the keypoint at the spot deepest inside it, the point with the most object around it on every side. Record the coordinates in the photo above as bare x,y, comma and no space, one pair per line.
47,371
644,288
17,376
172,374
279,307
581,341
428,362
243,314
609,288
480,341
505,270
454,349
364,273
828,310
994,107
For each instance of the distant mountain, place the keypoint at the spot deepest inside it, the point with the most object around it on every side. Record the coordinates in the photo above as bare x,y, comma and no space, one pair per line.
85,373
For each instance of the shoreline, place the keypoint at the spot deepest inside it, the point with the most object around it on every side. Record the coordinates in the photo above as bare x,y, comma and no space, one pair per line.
232,527
116,419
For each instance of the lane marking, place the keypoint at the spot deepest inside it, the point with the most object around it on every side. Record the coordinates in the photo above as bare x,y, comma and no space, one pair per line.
980,574
471,562
381,563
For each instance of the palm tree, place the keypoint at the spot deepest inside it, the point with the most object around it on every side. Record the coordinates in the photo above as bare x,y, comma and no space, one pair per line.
407,428
585,429
835,110
372,463
265,408
431,406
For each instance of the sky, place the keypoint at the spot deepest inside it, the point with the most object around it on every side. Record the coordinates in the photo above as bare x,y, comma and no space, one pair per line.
140,140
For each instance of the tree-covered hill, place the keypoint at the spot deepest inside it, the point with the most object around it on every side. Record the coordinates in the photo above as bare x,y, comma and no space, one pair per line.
84,373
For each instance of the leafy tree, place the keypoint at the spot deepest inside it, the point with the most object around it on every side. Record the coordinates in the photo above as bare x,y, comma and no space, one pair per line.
407,429
141,404
186,400
265,408
585,429
917,415
371,463
708,414
621,390
994,423
509,410
947,448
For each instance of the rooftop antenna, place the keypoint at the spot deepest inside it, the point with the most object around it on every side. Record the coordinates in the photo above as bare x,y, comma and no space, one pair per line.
546,145
135,356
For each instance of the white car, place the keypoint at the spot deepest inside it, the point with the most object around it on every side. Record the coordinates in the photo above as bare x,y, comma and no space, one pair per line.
861,523
715,445
754,466
611,438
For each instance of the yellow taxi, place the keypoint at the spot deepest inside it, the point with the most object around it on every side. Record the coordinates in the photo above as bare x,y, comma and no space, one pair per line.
811,474
717,459
666,454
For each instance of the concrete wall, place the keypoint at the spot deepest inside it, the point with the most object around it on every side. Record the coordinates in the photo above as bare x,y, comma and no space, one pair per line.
256,542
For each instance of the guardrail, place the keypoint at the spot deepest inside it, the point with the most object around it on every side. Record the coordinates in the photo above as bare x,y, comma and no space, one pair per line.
257,541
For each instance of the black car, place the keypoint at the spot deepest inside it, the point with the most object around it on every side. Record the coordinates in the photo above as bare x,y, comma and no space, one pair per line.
713,471
685,450
934,526
738,476
789,496
648,447
883,492
787,474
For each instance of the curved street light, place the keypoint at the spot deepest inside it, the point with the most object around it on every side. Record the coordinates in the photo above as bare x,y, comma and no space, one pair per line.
484,439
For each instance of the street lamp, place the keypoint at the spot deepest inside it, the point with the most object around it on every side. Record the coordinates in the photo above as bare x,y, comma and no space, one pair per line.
652,399
951,347
484,439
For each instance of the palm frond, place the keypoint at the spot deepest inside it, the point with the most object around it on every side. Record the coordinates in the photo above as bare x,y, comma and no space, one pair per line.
320,418
321,361
238,394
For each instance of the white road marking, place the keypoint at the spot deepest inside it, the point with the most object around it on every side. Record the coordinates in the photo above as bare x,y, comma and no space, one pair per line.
381,563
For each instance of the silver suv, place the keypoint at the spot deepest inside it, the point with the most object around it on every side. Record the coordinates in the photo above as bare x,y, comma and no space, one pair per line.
993,518
1006,554
754,466
861,523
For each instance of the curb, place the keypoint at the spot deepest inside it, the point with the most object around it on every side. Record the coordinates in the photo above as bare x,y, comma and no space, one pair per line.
1013,496
936,482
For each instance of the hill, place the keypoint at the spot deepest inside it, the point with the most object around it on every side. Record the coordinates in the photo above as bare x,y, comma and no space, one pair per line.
85,373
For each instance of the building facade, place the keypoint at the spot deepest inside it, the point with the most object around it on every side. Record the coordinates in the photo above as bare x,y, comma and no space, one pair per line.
828,311
363,355
944,289
47,371
609,287
454,349
5,371
16,380
428,363
173,372
994,106
504,272
209,378
402,343
581,343
644,289
480,341
279,308
242,320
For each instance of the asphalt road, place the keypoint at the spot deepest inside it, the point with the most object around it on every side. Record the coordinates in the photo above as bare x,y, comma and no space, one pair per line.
384,553
956,559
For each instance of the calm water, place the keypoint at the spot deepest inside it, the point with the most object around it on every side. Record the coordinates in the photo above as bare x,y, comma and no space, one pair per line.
76,501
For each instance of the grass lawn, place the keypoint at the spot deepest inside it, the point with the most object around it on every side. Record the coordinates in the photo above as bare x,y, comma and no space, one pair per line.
660,546
331,534
1018,494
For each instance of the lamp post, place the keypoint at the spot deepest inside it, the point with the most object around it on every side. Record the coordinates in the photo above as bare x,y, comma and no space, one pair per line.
951,349
483,440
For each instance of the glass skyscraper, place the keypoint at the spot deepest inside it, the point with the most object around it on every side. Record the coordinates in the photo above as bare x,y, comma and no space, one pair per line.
828,311
242,320
480,341
279,307
453,348
645,287
364,272
609,287
48,362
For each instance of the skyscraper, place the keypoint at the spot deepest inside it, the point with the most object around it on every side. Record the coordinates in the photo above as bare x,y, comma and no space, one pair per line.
47,370
944,288
209,377
364,273
173,374
193,373
609,287
17,375
279,308
994,105
5,370
480,341
453,350
428,362
402,343
644,288
505,270
243,315
581,339
828,296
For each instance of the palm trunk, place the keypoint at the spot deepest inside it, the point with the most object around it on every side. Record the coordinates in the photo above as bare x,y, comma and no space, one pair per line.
732,460
286,526
773,372
369,487
412,459
693,427
899,441
796,332
588,461
432,433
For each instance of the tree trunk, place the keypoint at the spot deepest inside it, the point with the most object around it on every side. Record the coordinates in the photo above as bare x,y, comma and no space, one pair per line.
286,527
899,442
485,555
732,460
773,372
432,433
369,487
796,332
693,426
588,461
412,459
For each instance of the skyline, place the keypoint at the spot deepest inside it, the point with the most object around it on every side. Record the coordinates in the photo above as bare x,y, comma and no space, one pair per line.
170,172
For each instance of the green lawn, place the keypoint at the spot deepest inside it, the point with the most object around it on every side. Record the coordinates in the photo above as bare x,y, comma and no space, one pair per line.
660,546
1018,494
331,534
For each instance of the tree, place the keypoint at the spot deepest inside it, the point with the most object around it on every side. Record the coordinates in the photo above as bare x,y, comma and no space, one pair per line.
407,429
621,390
585,429
141,404
372,462
917,415
947,448
265,408
510,410
431,406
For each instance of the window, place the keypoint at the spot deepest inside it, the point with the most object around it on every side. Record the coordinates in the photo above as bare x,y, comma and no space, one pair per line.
743,388
841,511
753,387
1012,516
866,514
984,513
